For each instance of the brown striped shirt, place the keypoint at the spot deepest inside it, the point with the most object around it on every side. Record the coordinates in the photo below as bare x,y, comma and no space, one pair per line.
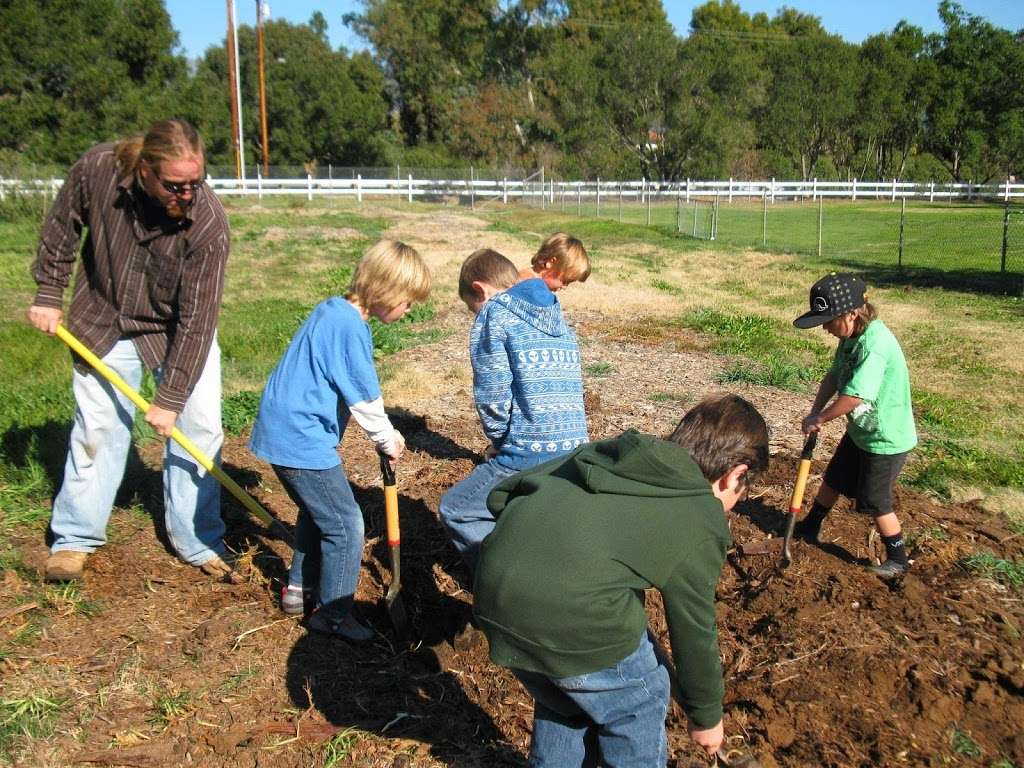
141,275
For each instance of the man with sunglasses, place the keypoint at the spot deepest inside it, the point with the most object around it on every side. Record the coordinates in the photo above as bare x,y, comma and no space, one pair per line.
147,292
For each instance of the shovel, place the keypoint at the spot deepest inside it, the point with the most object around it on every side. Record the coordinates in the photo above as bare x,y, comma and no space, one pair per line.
393,600
796,501
202,459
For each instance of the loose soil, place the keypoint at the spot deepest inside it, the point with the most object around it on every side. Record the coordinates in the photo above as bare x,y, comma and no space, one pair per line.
825,665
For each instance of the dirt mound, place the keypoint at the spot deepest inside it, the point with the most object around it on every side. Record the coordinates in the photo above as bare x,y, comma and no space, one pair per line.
825,664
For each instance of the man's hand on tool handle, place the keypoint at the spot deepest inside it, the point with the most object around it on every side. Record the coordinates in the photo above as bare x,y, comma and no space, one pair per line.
710,739
161,420
399,449
46,319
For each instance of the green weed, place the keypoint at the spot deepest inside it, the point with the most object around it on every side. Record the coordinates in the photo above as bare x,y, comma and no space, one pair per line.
407,332
238,411
67,598
32,717
945,462
337,749
667,287
774,373
988,566
237,679
599,369
168,707
668,397
963,744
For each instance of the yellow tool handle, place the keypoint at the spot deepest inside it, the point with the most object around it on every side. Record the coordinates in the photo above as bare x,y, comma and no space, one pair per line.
796,501
391,515
126,389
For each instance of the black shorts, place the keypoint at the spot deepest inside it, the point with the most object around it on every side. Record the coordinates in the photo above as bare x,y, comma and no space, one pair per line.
865,477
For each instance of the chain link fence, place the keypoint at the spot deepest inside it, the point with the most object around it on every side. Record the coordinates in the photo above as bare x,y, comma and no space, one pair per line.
976,244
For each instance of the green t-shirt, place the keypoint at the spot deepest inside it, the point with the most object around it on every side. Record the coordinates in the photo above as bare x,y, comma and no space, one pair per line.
872,367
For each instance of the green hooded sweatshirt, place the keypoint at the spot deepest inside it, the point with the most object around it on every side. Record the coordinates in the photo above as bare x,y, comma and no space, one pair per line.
561,579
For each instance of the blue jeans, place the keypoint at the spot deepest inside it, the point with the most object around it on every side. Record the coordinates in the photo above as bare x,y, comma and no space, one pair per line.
614,717
463,509
328,536
98,451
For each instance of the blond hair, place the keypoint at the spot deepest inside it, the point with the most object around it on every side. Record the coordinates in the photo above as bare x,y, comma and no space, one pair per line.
389,273
864,315
486,266
166,140
565,255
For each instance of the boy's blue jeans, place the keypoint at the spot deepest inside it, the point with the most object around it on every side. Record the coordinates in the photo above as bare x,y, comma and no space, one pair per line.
463,509
101,436
614,717
328,536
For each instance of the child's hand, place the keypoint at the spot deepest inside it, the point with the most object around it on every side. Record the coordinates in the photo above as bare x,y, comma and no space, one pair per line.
710,739
811,423
399,447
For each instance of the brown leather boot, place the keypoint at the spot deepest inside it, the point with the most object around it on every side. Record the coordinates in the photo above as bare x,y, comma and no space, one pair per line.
65,565
222,569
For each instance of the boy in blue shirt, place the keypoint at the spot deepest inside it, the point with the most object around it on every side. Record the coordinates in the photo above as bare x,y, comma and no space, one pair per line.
527,387
325,376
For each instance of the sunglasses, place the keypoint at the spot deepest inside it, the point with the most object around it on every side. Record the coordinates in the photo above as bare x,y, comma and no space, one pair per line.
187,187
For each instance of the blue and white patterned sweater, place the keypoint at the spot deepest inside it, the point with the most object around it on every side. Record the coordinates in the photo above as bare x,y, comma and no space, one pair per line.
527,377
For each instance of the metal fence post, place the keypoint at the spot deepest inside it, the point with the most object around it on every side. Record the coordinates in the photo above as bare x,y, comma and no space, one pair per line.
773,190
820,211
359,187
1006,196
903,218
648,207
504,190
931,192
309,186
599,197
1006,232
259,184
410,187
814,189
853,192
764,220
893,189
730,189
687,189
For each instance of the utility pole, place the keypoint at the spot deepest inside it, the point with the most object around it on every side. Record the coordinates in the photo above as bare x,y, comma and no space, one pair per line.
262,9
233,88
238,92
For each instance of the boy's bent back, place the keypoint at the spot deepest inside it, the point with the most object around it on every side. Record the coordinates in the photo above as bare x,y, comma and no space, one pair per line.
527,376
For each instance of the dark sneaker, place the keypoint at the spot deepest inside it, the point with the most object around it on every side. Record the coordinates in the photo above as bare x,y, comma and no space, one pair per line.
889,570
65,565
809,530
347,627
294,600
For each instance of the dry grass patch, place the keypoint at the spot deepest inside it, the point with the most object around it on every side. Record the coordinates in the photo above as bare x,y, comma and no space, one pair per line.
277,234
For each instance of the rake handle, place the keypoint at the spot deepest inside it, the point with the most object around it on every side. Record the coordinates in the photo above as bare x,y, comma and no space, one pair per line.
177,435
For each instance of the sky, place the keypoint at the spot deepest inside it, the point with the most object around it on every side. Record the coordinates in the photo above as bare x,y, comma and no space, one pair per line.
202,23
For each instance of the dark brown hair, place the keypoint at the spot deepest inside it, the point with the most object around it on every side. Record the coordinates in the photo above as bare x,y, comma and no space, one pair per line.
721,432
166,140
486,266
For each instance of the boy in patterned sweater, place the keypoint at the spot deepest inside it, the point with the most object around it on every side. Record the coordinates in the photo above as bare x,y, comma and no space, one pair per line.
527,387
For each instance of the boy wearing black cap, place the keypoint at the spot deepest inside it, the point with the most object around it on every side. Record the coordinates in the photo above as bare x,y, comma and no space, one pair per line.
871,385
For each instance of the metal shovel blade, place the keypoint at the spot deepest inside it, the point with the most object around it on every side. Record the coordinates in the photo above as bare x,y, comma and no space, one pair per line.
393,599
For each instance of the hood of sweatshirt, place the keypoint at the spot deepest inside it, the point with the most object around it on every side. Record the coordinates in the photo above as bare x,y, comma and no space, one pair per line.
533,302
640,465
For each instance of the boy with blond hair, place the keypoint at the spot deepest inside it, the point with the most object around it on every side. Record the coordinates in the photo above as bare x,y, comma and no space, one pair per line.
527,386
560,260
325,376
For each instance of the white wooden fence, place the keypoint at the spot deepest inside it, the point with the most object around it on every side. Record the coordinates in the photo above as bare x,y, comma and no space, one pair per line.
550,192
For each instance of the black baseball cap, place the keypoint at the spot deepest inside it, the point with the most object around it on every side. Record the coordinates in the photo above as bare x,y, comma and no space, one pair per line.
832,296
